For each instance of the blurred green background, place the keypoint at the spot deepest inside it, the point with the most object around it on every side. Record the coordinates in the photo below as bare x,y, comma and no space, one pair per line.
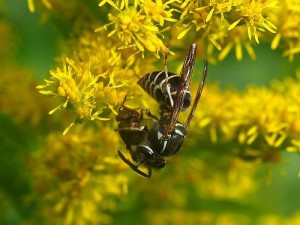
36,46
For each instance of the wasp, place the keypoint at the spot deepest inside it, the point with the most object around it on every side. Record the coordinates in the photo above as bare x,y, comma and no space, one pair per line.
165,136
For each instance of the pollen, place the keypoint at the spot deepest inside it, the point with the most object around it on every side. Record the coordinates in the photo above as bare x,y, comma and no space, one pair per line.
61,92
83,112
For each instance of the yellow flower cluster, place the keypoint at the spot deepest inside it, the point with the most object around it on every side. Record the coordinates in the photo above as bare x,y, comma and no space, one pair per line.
260,118
138,25
226,24
223,24
27,107
220,26
287,20
93,81
227,179
77,176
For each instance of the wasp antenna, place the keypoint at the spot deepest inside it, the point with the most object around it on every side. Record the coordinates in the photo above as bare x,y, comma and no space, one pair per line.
197,97
134,167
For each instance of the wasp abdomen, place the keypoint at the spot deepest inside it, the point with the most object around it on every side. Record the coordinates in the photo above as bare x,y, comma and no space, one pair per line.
155,85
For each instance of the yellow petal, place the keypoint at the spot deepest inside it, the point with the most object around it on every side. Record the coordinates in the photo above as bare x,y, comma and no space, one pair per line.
31,5
109,2
238,51
43,92
225,52
233,25
68,128
209,15
183,33
276,41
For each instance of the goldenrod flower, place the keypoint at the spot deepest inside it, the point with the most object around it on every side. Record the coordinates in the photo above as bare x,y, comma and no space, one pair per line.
265,117
92,83
77,86
139,24
158,12
136,26
26,107
79,176
227,23
237,39
288,34
192,15
253,14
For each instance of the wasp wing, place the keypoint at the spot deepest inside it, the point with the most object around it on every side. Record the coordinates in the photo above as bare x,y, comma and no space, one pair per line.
186,75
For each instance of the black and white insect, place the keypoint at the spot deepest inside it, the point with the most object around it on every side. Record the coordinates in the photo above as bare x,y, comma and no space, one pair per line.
166,135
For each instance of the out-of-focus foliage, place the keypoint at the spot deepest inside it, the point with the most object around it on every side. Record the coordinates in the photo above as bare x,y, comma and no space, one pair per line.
240,160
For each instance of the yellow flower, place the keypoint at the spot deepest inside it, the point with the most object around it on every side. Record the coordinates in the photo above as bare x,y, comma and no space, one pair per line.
78,176
227,23
252,13
76,86
17,91
91,83
192,15
237,39
265,119
135,25
288,34
157,11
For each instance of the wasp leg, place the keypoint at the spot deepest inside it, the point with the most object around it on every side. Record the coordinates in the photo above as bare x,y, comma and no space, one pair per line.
166,88
134,167
148,113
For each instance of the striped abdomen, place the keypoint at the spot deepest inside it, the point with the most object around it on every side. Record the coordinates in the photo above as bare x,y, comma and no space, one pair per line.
155,85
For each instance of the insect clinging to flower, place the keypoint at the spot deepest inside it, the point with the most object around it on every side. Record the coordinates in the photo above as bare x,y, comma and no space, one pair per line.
149,144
